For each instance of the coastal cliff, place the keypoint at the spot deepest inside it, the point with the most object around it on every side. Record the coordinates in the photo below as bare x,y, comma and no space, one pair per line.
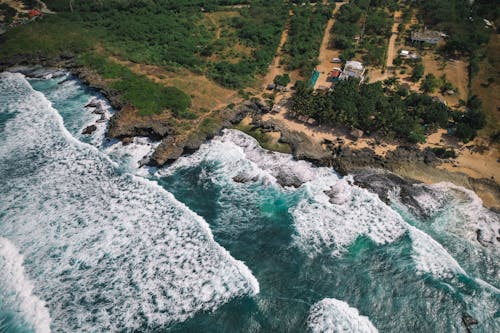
406,160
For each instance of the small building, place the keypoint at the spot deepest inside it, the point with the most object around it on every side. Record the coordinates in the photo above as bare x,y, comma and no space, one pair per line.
427,36
271,86
404,53
276,108
34,13
353,69
335,74
336,60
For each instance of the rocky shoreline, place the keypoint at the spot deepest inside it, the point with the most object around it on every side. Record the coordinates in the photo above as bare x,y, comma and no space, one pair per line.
408,161
404,166
126,123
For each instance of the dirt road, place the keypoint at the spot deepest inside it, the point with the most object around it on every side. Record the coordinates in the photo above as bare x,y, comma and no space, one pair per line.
391,52
326,54
275,68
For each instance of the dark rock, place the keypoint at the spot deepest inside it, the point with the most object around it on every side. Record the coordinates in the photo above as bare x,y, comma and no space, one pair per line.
93,103
126,123
127,140
98,110
285,179
144,161
244,178
384,182
170,149
89,129
468,321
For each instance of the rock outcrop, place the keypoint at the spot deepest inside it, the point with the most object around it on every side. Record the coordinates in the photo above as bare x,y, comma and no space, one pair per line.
127,123
89,129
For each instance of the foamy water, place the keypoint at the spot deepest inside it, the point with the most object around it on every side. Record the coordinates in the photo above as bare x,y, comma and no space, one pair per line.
97,247
106,251
332,315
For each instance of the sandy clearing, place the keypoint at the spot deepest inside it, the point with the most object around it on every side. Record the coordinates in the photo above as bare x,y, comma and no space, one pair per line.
456,72
476,164
477,159
205,94
318,134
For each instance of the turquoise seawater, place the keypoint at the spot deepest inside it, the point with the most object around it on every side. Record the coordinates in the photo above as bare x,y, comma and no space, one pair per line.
90,242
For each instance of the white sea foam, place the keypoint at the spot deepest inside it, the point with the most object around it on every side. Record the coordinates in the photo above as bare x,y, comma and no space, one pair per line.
432,257
333,316
107,252
17,290
332,213
239,155
321,224
463,214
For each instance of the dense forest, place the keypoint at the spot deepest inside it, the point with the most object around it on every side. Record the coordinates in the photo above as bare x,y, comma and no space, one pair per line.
167,33
386,110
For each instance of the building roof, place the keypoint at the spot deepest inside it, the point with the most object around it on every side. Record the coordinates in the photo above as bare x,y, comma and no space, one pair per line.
354,65
34,12
335,73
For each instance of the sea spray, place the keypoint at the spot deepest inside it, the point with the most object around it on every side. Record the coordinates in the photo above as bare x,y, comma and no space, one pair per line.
332,315
106,251
379,260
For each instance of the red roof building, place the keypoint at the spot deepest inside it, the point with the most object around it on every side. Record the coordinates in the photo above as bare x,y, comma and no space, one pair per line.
335,73
34,13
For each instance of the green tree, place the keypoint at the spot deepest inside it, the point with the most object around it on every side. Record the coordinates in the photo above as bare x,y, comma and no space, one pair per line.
282,80
418,72
429,84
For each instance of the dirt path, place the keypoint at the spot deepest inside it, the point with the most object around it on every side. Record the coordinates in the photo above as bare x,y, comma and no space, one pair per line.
326,54
377,74
391,52
275,68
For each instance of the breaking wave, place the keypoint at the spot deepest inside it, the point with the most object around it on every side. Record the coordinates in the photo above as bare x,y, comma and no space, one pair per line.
106,251
334,316
17,290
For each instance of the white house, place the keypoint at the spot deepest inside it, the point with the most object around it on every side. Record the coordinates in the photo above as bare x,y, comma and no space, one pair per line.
353,69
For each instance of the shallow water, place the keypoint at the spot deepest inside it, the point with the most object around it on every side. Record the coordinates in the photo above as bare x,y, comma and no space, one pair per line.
214,243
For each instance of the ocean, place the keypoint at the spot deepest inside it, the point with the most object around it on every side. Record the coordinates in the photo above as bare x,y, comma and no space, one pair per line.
217,241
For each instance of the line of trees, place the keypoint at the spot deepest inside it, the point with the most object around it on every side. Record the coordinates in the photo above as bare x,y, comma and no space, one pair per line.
375,109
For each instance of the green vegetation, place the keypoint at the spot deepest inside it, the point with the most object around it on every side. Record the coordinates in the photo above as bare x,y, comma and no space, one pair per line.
282,80
462,20
265,140
373,108
146,95
444,153
369,43
418,72
7,12
44,38
469,122
307,27
167,33
429,84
